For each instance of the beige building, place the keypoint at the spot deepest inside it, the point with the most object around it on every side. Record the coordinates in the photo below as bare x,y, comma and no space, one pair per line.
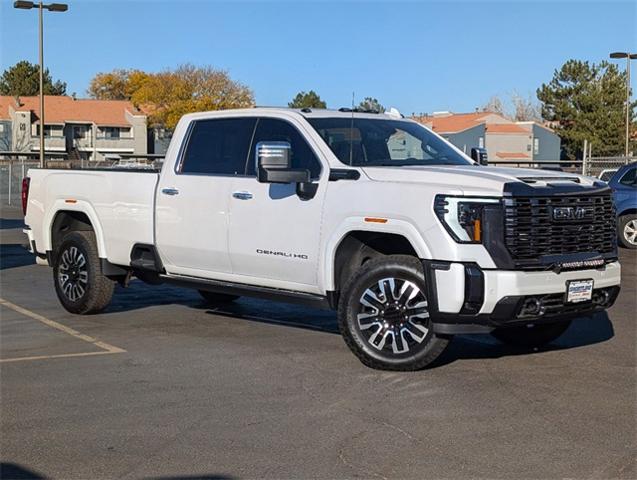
83,129
504,139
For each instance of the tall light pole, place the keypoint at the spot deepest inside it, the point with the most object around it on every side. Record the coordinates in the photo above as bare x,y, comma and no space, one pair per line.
628,56
52,7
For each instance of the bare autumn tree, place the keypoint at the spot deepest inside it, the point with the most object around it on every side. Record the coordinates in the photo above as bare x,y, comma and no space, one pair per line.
525,109
495,105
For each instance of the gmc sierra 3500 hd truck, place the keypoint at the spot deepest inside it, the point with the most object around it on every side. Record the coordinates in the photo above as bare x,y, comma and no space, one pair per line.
370,214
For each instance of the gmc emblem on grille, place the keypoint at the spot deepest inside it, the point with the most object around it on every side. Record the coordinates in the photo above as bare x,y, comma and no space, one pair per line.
572,213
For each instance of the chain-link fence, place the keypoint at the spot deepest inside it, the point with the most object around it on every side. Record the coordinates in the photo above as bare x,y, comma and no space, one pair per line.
11,174
13,168
604,167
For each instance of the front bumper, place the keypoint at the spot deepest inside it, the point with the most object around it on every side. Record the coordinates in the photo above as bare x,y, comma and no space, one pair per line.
463,298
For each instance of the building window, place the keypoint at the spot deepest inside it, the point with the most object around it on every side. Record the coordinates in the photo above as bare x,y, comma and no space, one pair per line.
49,130
481,142
79,131
536,146
110,132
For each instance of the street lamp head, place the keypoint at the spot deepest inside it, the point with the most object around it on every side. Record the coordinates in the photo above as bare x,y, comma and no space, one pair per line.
619,55
23,5
58,7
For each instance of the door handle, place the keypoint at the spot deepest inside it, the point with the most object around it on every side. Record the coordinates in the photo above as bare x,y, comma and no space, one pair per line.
242,195
170,191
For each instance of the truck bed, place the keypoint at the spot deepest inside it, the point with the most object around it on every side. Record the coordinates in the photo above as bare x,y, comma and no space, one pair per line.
119,205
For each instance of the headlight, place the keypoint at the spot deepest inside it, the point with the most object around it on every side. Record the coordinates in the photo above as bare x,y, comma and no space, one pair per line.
462,216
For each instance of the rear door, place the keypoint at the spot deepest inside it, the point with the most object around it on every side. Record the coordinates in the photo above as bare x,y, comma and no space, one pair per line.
193,198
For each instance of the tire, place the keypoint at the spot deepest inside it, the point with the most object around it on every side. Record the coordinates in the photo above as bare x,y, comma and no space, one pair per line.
627,231
384,333
213,298
532,335
77,275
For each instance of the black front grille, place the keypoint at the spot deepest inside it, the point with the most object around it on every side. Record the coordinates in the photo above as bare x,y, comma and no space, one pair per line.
536,227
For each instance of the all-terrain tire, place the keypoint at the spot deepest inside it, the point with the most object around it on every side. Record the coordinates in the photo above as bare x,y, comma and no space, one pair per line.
532,335
77,275
213,298
389,293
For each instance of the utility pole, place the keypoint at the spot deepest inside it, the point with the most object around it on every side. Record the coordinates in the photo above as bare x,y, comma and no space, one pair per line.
53,7
628,56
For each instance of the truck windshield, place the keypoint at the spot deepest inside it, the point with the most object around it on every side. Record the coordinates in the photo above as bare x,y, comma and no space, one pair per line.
365,142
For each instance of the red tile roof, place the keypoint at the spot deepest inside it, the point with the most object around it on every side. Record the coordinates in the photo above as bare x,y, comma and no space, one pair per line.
63,109
452,123
506,128
506,155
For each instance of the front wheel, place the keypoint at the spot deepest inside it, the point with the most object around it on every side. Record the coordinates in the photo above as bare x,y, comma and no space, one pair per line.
383,315
627,231
79,283
530,336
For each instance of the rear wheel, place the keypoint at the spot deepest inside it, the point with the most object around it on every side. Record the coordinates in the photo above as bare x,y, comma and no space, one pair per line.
214,298
627,230
531,335
77,275
384,317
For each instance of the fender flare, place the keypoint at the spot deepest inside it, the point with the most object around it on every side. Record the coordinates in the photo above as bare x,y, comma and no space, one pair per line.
81,206
351,224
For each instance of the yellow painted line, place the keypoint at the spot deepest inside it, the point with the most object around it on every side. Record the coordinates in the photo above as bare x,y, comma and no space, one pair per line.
62,355
106,347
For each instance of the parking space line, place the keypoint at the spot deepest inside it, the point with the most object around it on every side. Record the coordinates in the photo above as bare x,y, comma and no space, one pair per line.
61,355
105,347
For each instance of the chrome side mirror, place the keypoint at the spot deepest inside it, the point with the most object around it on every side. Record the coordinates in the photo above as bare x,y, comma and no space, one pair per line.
273,162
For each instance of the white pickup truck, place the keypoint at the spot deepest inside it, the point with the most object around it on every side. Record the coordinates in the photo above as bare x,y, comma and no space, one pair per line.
373,215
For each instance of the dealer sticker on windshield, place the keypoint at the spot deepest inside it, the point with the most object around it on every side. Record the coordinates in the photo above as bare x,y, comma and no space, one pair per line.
579,291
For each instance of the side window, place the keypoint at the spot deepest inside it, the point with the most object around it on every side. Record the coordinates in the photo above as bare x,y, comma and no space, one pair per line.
218,146
271,129
629,177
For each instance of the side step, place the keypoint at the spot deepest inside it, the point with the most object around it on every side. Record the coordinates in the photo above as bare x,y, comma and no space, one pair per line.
326,302
145,257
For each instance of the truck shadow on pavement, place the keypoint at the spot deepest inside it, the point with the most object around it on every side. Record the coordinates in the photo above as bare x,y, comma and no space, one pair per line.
15,255
14,471
11,223
582,332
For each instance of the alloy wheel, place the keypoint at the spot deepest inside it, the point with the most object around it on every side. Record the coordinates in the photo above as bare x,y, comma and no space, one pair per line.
393,316
630,232
73,274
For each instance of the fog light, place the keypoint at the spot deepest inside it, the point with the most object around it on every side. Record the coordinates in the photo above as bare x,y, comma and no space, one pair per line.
601,297
532,307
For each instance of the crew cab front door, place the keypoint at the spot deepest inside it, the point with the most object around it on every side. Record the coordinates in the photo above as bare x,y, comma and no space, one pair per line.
193,198
274,235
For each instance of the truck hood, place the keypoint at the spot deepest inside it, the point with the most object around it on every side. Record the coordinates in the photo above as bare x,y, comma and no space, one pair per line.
477,180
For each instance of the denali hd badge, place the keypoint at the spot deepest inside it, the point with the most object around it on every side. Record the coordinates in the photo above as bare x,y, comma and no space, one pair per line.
282,254
562,214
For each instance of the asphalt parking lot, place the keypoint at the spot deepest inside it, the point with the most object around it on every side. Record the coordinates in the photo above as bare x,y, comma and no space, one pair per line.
162,387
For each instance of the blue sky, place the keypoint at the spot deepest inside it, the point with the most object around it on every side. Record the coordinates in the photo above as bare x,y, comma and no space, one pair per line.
417,56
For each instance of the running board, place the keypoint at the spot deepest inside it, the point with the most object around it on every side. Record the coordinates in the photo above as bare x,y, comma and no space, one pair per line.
326,302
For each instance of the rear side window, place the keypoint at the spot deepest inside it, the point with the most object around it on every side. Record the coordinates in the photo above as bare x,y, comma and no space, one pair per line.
273,130
218,146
